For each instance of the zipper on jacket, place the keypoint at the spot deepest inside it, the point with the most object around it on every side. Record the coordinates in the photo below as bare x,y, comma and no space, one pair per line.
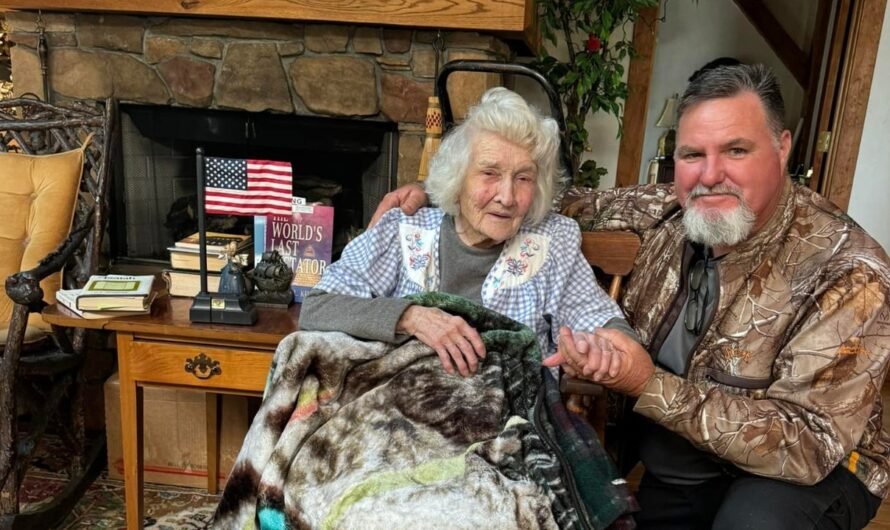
571,486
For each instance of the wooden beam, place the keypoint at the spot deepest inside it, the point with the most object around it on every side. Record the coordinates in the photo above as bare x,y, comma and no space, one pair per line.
852,101
480,15
532,31
630,150
778,39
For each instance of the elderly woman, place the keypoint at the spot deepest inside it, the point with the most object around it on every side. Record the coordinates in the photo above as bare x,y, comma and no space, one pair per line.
492,239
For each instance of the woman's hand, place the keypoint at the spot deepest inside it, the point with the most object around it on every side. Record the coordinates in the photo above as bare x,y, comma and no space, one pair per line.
606,356
587,355
456,342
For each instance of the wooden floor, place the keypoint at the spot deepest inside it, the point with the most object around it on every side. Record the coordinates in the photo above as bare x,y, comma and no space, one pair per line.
882,520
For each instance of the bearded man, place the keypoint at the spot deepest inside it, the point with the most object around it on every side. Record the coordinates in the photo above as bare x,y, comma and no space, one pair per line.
763,327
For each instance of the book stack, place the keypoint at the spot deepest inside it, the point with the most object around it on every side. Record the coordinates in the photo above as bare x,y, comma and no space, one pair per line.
184,278
105,296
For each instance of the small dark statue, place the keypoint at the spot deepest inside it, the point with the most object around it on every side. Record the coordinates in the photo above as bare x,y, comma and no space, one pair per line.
232,279
272,277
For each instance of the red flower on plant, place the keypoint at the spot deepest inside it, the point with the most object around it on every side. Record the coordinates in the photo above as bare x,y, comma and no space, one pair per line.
593,43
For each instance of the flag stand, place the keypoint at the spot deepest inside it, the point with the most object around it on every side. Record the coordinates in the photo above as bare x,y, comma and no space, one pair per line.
216,308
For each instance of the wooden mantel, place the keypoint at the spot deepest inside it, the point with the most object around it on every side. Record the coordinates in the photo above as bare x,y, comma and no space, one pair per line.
514,19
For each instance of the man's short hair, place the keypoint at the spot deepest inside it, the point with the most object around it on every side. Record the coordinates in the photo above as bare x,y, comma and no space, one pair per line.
710,65
507,114
729,81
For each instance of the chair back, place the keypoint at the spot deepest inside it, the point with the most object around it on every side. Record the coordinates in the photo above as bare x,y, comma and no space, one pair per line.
33,127
613,253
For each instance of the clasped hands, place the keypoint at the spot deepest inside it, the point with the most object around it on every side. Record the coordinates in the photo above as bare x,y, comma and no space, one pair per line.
606,356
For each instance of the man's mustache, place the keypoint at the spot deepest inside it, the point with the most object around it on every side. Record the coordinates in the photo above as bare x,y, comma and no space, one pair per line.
701,190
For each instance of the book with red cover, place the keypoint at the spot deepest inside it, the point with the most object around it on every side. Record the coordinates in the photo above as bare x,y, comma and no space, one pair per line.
303,239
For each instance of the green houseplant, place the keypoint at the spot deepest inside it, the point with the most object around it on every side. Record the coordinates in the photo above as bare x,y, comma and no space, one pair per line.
591,78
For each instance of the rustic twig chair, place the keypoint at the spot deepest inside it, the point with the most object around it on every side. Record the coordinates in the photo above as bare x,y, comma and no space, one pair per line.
39,380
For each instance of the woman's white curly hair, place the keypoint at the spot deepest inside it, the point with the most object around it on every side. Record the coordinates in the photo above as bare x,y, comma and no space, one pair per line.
505,113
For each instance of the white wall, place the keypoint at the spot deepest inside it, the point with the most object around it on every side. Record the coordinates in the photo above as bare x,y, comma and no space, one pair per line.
695,33
871,181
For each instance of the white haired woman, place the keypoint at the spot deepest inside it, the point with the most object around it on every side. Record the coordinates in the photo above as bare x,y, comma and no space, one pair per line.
491,239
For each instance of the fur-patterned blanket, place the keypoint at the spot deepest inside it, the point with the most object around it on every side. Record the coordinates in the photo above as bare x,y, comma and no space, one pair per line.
357,434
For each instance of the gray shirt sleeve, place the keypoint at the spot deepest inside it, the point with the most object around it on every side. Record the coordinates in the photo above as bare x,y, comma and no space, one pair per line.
621,325
366,318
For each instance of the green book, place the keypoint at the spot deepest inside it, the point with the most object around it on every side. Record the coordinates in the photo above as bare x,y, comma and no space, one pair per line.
114,292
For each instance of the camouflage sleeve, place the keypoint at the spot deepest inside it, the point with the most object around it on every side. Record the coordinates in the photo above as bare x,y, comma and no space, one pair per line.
634,208
829,377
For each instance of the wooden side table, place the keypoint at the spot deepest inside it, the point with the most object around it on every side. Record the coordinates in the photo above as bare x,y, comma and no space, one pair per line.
164,348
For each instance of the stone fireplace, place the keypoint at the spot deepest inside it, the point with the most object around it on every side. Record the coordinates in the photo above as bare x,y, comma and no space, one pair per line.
238,68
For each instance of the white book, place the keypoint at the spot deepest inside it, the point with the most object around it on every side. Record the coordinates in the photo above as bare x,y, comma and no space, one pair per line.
114,292
68,299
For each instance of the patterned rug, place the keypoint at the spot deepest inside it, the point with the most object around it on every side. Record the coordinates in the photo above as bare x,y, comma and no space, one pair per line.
102,506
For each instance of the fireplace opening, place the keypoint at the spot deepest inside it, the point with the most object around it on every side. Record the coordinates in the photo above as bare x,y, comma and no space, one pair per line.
349,164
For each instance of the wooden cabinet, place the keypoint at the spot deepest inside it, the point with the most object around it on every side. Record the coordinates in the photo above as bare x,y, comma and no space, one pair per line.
165,348
192,364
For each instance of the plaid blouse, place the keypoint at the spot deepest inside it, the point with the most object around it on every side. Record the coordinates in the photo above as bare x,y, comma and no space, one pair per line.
541,279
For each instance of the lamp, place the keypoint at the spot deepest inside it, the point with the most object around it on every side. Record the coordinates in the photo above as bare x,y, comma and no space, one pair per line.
662,163
661,166
667,120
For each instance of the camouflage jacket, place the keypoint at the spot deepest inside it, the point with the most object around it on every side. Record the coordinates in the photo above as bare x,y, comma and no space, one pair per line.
786,380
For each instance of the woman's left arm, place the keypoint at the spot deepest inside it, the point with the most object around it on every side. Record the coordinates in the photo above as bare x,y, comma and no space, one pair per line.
581,306
359,284
579,302
365,318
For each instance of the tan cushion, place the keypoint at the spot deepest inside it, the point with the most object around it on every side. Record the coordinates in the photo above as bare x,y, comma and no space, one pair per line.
33,335
37,199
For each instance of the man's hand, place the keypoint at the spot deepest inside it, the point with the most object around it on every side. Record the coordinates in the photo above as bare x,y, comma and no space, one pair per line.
410,198
454,340
607,356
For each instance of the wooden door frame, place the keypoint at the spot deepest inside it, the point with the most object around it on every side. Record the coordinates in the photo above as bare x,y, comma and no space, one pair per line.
859,50
843,97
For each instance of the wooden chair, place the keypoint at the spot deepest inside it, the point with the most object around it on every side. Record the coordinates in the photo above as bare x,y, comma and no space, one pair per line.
41,380
612,255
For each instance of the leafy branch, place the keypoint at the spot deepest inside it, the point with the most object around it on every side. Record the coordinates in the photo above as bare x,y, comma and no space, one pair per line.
592,78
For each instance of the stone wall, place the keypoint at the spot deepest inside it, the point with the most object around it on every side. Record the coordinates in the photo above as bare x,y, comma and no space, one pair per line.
359,72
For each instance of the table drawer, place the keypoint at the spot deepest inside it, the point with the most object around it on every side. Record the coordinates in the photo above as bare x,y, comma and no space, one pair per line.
199,366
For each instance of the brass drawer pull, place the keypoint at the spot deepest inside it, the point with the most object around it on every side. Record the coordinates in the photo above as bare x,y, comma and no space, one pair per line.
202,367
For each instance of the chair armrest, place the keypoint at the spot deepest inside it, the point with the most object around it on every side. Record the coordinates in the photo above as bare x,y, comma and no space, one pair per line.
24,287
581,387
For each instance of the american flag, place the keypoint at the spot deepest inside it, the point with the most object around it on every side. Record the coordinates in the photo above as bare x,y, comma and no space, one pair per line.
247,187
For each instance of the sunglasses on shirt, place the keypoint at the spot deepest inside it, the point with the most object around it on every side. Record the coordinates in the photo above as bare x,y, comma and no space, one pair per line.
698,297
